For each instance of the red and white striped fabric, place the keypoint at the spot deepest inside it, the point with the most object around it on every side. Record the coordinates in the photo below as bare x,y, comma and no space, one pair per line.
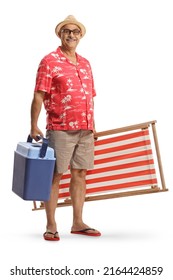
121,162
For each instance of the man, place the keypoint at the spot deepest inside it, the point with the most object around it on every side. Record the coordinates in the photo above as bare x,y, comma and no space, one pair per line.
65,85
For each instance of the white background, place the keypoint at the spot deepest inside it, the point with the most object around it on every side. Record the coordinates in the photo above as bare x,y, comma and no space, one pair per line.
129,45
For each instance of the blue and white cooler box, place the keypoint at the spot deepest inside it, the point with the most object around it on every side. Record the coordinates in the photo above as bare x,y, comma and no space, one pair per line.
33,170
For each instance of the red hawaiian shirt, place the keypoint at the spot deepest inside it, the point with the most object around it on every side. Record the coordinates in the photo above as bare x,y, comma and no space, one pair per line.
69,91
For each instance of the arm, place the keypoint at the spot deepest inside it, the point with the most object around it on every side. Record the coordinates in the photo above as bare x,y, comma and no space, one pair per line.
35,112
94,129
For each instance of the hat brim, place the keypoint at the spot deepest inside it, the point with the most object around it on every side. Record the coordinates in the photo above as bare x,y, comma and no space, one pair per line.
62,23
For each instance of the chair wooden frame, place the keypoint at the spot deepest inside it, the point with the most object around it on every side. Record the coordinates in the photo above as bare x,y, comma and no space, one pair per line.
151,125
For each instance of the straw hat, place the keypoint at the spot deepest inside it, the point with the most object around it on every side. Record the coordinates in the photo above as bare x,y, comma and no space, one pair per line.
70,20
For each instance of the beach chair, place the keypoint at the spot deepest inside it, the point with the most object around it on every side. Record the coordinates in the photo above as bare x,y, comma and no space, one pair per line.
127,162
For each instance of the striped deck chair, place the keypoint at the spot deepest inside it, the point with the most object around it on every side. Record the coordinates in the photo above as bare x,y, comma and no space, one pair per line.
125,160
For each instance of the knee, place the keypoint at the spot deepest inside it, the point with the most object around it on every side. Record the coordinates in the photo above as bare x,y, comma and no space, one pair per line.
78,174
56,178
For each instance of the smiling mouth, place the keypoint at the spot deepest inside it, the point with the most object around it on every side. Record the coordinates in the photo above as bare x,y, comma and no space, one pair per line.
71,40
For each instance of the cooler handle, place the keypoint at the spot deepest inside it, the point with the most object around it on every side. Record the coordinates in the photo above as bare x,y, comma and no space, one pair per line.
43,147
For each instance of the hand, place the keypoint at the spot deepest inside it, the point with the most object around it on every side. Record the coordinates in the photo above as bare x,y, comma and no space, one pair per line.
95,134
35,132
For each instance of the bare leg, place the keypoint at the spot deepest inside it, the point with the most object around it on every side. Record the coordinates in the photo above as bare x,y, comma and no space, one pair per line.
77,192
50,206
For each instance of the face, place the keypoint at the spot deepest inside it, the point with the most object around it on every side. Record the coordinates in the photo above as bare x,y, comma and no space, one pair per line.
70,35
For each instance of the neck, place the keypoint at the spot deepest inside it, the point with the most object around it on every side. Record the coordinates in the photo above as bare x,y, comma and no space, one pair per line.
68,52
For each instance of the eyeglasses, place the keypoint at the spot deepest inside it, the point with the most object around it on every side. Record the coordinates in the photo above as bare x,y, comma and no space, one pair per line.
68,31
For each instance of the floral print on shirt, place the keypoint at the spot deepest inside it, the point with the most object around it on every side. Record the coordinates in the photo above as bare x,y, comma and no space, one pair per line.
69,91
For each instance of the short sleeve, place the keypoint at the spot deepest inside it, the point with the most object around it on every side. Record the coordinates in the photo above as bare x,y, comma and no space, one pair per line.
44,77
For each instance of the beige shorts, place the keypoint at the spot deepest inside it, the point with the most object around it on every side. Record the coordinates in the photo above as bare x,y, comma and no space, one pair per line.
74,148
